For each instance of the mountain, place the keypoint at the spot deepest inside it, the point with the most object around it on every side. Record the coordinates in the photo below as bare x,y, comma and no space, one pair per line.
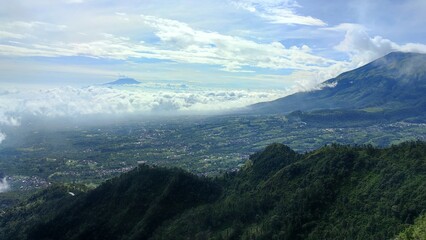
335,192
394,82
123,81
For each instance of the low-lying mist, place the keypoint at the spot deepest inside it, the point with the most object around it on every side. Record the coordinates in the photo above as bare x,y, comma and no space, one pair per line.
68,106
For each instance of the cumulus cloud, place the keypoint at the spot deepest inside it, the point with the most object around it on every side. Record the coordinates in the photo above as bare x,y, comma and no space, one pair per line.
278,11
362,48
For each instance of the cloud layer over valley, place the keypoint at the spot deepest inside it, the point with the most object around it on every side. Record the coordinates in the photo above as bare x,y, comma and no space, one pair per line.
144,99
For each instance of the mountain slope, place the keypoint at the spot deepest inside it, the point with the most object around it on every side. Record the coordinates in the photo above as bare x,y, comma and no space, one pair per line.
129,207
42,206
395,81
336,192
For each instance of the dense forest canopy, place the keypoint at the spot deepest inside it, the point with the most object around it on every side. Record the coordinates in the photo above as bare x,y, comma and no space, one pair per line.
335,192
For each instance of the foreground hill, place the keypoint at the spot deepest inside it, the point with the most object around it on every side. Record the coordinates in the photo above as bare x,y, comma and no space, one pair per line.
394,82
336,192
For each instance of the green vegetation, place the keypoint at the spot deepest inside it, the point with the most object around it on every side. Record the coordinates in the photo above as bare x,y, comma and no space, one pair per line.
335,192
416,231
130,206
41,206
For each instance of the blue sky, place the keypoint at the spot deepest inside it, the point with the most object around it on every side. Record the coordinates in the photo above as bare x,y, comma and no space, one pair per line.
279,44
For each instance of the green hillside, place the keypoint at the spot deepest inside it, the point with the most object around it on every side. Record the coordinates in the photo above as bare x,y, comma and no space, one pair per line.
394,84
335,192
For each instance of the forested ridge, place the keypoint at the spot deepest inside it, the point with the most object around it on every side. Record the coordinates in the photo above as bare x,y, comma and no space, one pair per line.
335,192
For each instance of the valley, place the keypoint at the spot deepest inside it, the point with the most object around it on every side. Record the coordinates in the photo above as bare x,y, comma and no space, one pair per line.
206,146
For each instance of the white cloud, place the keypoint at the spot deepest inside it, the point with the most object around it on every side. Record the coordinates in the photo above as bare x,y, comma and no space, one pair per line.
189,45
4,185
362,48
25,27
2,138
278,11
7,115
252,39
75,102
8,120
177,42
144,99
5,34
412,47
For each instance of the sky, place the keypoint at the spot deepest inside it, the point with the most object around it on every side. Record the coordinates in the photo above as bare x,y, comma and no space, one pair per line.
228,43
190,55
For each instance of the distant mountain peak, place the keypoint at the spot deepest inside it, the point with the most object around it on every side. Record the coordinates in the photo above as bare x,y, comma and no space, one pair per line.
123,81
